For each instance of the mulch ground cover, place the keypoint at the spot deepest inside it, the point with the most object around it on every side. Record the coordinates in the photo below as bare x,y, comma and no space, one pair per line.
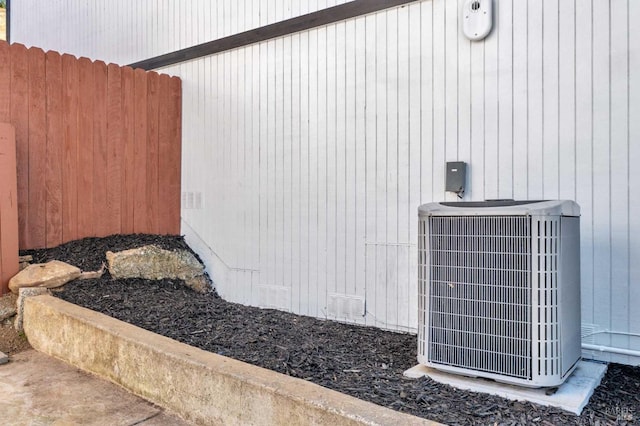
364,362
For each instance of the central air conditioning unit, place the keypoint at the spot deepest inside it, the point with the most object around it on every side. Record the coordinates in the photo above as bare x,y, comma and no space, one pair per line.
499,290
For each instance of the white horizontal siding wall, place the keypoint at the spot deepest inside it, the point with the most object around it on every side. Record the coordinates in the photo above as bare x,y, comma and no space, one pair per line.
306,157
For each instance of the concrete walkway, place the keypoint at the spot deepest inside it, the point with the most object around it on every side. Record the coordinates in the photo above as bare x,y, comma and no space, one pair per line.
36,389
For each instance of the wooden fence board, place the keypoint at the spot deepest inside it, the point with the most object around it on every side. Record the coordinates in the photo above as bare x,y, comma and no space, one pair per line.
152,153
20,120
140,150
4,283
37,148
8,207
97,146
114,148
128,166
85,148
164,192
5,83
169,179
100,212
53,171
175,156
70,148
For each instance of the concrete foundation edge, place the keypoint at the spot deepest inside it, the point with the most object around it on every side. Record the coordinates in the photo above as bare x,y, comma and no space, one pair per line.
200,386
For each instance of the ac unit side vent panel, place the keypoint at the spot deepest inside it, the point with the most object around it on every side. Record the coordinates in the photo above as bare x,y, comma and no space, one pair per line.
545,270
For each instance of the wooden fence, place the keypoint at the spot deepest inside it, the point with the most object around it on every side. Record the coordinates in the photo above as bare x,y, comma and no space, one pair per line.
8,207
98,146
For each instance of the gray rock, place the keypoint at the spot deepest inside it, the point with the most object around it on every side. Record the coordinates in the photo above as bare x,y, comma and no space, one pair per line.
7,306
51,274
153,263
23,294
3,358
201,283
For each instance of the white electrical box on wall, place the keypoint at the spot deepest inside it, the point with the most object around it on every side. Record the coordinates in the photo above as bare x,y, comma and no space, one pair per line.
477,18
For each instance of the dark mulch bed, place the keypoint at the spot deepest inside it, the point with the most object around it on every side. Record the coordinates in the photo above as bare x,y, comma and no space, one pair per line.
361,361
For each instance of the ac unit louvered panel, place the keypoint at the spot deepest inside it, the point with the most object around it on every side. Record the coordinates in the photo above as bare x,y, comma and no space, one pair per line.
480,294
423,285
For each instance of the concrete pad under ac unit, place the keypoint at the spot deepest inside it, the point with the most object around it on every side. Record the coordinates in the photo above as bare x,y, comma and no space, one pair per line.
572,396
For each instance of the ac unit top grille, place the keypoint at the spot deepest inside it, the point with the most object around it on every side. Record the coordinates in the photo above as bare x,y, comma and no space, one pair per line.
502,208
489,203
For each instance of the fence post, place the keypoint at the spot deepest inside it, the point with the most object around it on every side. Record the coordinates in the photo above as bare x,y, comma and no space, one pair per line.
8,207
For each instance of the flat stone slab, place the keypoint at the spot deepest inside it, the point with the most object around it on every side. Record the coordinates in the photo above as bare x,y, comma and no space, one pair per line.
50,275
39,390
572,396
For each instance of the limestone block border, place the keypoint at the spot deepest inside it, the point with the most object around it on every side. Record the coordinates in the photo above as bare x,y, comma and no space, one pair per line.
202,387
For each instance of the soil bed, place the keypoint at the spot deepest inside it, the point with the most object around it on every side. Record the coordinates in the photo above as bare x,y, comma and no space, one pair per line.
12,341
360,361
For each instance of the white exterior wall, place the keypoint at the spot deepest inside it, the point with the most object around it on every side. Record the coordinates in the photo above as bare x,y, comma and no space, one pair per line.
125,31
306,157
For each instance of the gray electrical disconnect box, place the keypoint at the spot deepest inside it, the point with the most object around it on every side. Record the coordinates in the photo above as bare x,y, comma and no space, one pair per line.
456,177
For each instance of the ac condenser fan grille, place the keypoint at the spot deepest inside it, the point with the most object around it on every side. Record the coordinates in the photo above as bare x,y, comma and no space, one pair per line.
480,293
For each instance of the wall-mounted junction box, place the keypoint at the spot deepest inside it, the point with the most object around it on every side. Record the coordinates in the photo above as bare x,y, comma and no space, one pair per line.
456,177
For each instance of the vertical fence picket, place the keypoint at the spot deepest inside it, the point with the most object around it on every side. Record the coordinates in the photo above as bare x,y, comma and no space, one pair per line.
6,164
114,148
4,283
20,120
175,154
100,212
163,147
8,207
85,148
128,164
37,148
5,83
70,148
53,171
140,151
152,152
168,155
